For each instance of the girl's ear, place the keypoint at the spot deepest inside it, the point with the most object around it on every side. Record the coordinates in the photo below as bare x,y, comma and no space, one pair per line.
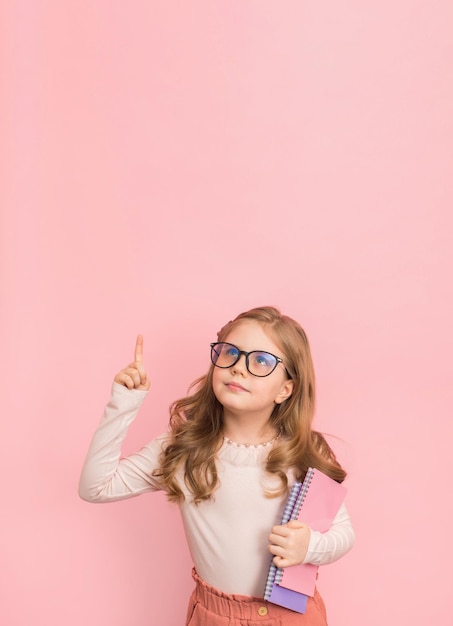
285,391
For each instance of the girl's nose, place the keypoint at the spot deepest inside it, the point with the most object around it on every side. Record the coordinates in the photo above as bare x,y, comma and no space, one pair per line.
240,365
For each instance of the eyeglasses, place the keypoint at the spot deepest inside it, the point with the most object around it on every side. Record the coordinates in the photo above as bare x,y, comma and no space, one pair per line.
257,362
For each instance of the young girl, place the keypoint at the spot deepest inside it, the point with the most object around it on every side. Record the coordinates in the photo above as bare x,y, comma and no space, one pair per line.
234,448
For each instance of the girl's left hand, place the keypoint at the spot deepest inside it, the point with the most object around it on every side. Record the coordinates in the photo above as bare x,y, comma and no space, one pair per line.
289,543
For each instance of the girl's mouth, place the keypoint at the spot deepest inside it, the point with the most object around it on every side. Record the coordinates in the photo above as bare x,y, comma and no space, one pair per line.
235,387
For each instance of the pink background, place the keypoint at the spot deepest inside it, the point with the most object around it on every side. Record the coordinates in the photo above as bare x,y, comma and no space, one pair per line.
166,165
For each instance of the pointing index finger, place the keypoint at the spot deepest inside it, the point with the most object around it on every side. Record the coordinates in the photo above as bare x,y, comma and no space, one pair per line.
139,349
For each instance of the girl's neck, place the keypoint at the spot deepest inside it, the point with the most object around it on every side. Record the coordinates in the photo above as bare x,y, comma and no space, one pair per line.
252,444
248,432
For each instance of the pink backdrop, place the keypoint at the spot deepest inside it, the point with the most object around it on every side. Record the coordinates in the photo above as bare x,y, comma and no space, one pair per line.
166,165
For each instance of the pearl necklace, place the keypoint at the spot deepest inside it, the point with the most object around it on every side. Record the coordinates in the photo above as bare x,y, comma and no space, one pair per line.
252,445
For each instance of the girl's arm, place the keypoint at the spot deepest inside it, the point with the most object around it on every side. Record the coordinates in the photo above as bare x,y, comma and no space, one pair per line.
324,548
295,543
105,477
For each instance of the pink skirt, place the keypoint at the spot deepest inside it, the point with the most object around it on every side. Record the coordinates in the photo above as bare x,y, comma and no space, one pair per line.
210,607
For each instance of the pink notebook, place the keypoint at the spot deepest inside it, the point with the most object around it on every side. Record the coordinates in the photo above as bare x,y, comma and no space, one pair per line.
320,505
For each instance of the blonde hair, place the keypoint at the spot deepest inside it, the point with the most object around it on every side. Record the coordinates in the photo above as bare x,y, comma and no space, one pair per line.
196,421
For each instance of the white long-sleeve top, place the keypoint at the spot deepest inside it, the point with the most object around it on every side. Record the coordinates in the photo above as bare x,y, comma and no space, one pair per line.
227,535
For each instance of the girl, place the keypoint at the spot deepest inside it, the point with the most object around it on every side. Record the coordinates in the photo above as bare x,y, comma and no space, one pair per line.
234,448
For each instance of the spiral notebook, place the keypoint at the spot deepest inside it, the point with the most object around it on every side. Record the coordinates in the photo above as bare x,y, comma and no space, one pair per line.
315,502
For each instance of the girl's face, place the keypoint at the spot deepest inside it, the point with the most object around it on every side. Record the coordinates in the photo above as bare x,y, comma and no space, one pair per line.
239,391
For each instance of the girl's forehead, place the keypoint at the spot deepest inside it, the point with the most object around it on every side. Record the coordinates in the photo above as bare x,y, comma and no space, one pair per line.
252,335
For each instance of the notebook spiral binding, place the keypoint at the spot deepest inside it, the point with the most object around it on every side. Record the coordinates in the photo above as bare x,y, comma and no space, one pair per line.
296,510
291,512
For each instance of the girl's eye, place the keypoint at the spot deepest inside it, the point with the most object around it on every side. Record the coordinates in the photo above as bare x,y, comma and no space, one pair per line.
263,359
231,351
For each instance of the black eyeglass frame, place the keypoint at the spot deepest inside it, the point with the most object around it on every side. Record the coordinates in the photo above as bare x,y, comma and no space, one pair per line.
247,354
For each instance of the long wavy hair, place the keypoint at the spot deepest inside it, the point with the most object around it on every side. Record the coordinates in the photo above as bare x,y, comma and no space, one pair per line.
196,421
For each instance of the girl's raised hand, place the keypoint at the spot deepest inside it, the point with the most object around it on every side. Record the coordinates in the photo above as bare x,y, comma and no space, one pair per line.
134,376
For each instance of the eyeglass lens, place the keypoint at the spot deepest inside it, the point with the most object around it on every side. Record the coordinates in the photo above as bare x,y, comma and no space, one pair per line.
258,363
